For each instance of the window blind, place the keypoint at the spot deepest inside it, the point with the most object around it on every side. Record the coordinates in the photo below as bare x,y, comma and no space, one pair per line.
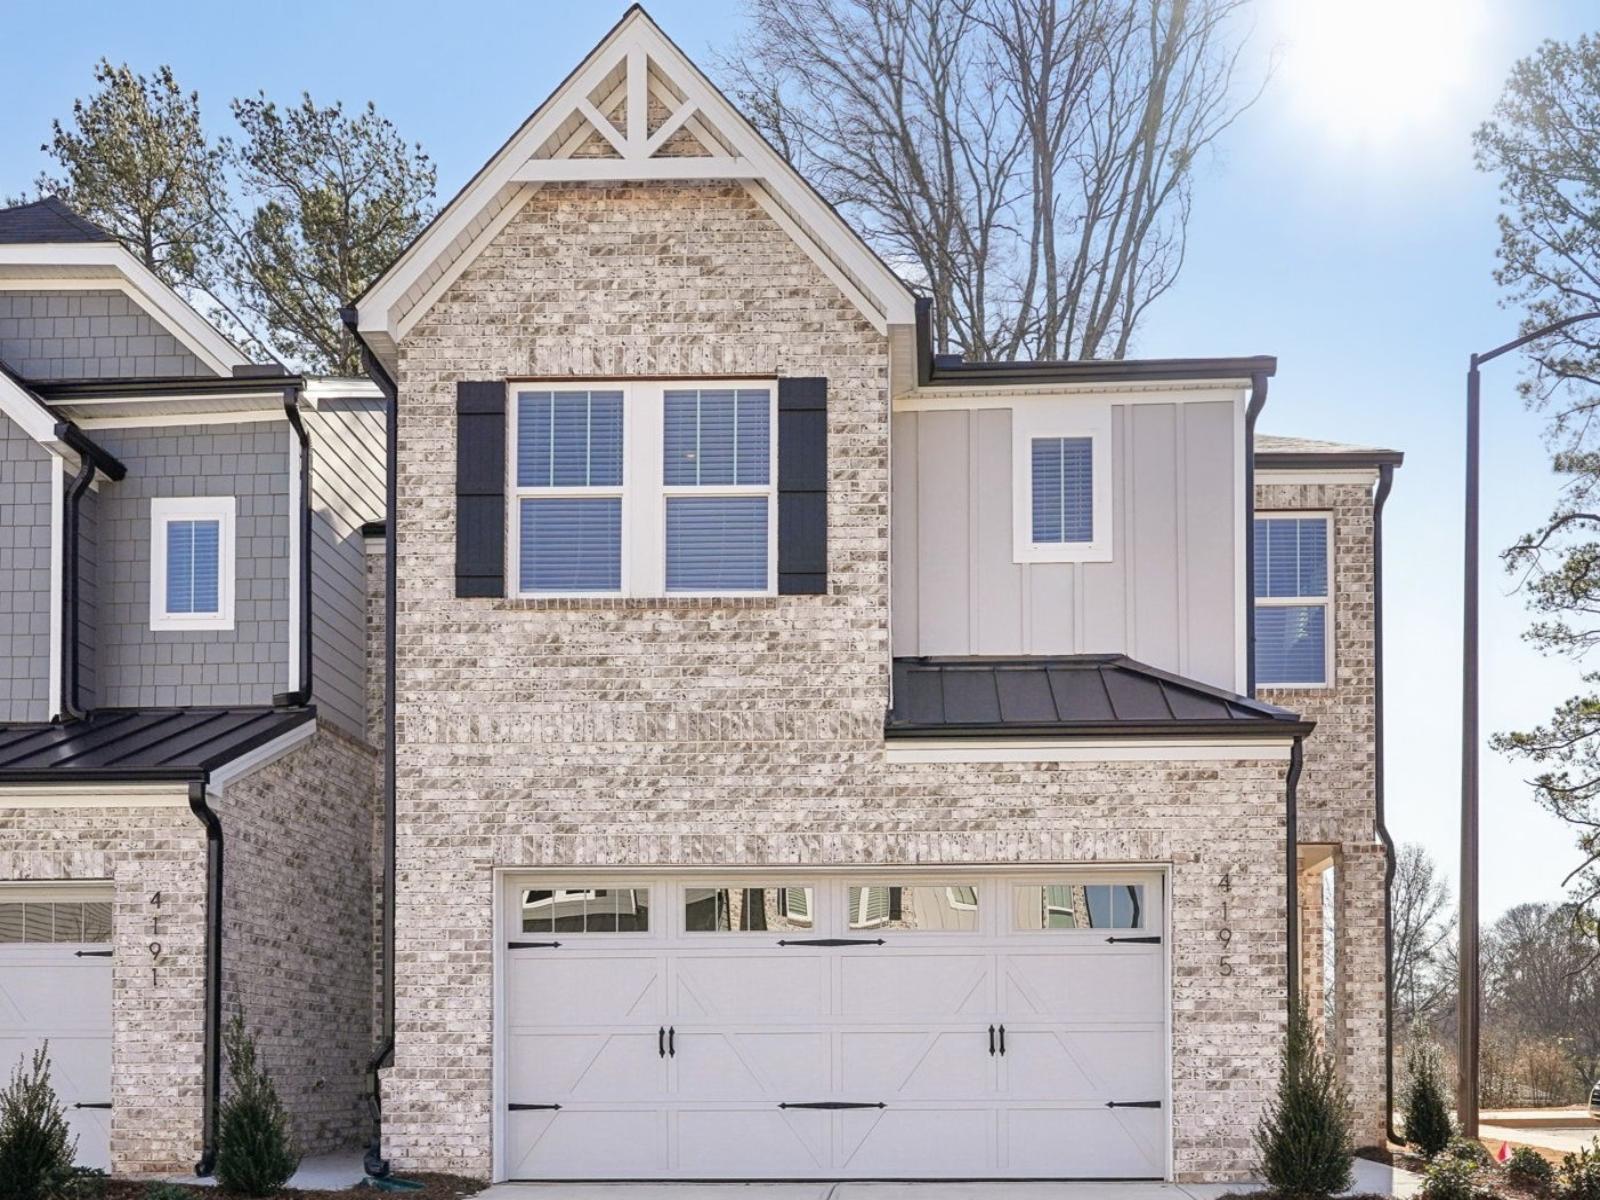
569,439
193,550
716,543
717,437
1063,490
571,544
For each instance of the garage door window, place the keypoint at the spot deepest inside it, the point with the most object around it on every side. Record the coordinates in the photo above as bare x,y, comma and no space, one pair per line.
73,921
924,907
586,910
746,909
1081,906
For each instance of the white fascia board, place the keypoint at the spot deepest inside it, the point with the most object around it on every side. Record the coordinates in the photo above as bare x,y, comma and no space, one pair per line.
1146,391
141,284
26,413
93,795
58,542
1361,476
337,387
1082,750
261,756
635,40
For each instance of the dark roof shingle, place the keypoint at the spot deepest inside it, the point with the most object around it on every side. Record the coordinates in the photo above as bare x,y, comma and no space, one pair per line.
1072,695
48,220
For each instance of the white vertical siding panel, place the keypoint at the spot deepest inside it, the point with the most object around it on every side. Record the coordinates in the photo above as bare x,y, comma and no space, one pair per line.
1211,452
904,559
998,580
943,491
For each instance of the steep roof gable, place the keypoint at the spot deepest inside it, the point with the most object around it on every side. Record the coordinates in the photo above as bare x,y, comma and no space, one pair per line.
635,109
47,220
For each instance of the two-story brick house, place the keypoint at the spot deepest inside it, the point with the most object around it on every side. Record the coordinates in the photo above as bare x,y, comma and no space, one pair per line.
808,756
187,780
813,757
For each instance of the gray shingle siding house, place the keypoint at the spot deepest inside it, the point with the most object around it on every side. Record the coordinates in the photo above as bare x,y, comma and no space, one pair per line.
806,756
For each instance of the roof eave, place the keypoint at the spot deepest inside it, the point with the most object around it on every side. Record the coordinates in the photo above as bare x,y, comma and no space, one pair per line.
1227,729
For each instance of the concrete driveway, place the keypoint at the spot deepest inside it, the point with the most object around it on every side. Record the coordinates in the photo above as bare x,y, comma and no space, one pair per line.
1564,1141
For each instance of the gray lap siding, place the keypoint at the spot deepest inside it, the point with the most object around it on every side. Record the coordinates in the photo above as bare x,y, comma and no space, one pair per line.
663,734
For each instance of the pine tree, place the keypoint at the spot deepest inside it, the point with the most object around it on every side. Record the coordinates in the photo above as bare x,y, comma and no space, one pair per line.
1304,1137
255,1156
36,1150
1427,1115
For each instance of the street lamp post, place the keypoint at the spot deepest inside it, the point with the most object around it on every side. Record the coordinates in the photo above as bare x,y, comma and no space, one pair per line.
1469,990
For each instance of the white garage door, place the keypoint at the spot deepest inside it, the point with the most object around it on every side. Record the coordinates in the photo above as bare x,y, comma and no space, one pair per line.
835,1027
55,987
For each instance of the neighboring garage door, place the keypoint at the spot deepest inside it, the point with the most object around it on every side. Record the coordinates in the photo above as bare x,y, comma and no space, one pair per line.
55,987
856,1027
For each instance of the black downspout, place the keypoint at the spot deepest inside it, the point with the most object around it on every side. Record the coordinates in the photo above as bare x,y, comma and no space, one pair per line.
1385,483
1258,400
375,1164
212,1098
301,696
71,589
1292,864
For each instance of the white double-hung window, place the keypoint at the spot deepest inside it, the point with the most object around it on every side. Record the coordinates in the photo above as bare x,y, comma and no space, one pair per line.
644,488
192,562
1294,626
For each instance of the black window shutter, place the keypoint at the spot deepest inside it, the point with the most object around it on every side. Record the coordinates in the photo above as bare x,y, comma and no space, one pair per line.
803,487
481,488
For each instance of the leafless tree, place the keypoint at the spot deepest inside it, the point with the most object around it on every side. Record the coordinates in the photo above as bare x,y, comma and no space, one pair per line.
1424,968
1028,163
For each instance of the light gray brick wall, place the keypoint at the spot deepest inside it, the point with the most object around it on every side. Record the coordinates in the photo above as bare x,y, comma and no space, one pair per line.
1337,789
88,335
244,665
739,732
24,576
297,933
158,1002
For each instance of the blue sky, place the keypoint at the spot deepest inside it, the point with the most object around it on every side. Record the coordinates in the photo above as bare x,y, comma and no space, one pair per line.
1341,226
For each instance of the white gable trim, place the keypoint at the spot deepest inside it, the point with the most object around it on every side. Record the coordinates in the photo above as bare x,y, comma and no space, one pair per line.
26,413
58,266
389,309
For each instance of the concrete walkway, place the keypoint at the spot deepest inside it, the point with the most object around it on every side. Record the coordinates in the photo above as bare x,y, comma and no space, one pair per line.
322,1172
1370,1177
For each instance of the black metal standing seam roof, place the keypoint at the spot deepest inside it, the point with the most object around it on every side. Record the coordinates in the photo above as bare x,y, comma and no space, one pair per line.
132,745
1076,695
48,220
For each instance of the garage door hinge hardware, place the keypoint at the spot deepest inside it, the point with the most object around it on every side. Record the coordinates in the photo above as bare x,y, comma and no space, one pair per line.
91,954
531,1107
834,942
532,945
832,1104
1133,1104
1142,941
103,1104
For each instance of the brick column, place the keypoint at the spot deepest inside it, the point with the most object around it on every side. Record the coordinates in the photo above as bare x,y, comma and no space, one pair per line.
1359,991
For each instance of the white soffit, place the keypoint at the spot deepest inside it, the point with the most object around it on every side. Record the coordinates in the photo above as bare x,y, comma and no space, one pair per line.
635,109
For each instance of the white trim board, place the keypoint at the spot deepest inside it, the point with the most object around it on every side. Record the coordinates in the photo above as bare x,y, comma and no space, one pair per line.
1084,750
94,795
1156,391
261,756
58,542
58,891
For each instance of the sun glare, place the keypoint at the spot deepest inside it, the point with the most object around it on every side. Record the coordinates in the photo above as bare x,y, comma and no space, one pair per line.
1379,72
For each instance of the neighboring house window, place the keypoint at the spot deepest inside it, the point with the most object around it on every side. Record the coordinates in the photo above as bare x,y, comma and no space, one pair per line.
192,562
1294,626
644,489
1061,485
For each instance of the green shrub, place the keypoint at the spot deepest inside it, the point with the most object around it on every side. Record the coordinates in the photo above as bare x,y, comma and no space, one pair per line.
168,1191
1304,1137
255,1155
1449,1177
1529,1169
36,1150
83,1183
1470,1149
1579,1176
1427,1115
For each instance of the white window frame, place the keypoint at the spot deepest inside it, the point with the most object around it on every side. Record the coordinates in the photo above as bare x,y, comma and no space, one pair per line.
1060,418
644,492
163,511
1326,601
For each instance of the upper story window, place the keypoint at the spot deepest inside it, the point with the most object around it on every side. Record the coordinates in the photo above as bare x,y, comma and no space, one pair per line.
1294,625
645,489
1061,482
192,562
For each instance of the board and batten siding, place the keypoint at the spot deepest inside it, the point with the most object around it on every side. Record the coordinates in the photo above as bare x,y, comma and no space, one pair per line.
1168,597
347,490
137,666
24,576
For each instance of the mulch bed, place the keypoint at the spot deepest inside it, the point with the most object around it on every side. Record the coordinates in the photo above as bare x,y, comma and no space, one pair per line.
435,1187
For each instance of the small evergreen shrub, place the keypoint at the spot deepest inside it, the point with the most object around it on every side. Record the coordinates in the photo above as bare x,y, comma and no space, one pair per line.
1450,1177
1529,1169
1470,1149
1304,1137
36,1150
1579,1176
1427,1114
168,1191
83,1183
255,1155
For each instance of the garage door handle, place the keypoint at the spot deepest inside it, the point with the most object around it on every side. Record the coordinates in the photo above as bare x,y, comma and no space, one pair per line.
834,942
531,1107
661,1042
672,1040
532,945
991,1041
1133,1104
103,1104
1002,1041
91,954
834,1104
1143,941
